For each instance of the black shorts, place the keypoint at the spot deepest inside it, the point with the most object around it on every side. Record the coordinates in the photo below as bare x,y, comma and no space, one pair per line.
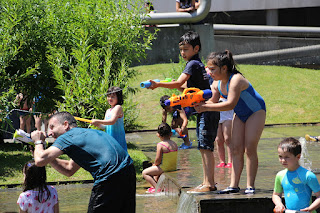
116,194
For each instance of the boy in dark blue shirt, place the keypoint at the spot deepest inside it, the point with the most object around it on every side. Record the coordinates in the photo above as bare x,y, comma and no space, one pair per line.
194,75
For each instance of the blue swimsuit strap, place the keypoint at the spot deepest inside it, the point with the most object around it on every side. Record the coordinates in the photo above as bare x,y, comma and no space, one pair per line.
219,87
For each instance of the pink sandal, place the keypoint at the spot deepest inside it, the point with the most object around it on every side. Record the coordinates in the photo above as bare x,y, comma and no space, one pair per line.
221,165
228,165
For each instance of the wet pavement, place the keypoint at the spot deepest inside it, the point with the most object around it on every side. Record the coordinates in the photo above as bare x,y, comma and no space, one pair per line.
74,198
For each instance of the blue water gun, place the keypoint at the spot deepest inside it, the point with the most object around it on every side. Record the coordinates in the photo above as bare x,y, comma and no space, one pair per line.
146,84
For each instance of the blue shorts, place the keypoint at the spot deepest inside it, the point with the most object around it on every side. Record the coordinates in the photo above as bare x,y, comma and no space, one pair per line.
207,126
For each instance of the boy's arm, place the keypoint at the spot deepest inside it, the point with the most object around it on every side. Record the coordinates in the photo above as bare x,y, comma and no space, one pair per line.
279,207
314,205
170,85
183,116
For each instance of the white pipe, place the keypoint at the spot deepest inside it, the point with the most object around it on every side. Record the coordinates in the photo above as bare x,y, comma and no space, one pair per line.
229,29
179,17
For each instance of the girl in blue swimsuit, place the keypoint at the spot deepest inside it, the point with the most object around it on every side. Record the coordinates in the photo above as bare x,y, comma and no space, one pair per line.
249,119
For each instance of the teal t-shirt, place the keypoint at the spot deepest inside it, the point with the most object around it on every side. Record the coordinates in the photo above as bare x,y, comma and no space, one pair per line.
95,151
297,187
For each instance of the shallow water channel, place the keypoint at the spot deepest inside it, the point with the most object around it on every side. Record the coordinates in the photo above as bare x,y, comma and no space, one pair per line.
75,197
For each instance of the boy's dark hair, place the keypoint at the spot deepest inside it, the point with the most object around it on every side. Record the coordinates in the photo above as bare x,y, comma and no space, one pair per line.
191,38
291,145
164,130
163,99
118,92
35,178
64,116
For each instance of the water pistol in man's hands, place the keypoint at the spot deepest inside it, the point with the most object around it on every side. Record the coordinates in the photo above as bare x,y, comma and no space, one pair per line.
189,98
146,84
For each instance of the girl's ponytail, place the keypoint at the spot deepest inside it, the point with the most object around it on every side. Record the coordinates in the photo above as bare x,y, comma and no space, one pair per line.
232,66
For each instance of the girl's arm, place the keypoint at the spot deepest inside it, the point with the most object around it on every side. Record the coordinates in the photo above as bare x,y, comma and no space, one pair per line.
276,198
158,158
20,211
117,112
236,86
170,85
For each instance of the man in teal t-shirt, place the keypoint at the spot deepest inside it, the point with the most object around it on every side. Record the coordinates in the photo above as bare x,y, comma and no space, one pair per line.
95,151
296,182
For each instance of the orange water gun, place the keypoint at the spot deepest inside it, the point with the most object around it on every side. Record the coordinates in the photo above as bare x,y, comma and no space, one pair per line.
189,97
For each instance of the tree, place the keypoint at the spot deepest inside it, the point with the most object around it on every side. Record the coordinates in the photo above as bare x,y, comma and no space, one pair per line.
69,52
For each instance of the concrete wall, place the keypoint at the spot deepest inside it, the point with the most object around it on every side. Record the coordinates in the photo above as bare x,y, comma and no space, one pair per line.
166,49
162,6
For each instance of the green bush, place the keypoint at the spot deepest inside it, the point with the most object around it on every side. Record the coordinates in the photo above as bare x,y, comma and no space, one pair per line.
69,52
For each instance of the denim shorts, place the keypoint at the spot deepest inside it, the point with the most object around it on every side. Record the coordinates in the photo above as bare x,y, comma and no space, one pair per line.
207,126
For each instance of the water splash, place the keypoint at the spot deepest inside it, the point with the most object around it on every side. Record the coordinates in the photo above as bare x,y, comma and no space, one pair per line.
187,203
305,158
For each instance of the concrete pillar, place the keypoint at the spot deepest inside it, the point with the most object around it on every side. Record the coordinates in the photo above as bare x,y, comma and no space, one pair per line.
272,17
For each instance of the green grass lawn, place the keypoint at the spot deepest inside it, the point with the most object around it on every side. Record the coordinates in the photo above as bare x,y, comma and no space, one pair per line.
14,156
291,94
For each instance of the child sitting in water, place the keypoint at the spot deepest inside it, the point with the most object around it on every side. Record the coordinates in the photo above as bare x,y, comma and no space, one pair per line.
295,182
166,157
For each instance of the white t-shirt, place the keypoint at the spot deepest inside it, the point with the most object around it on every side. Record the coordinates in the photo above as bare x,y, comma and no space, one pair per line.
28,201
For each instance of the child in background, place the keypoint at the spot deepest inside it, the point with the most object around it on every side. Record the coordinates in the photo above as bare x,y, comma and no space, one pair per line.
113,120
194,75
179,121
295,182
224,137
166,157
25,105
312,138
248,122
37,196
185,5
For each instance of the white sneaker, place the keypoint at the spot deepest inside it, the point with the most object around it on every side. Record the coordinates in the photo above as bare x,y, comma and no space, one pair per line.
22,136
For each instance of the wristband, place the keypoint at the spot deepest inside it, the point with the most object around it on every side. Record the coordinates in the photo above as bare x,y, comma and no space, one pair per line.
40,142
